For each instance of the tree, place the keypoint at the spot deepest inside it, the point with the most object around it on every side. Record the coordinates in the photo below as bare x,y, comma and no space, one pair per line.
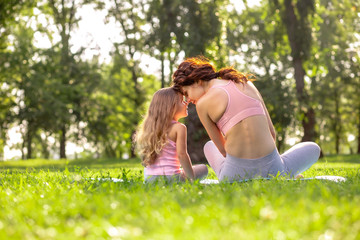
20,60
297,20
75,81
161,41
332,69
9,10
258,40
110,113
131,17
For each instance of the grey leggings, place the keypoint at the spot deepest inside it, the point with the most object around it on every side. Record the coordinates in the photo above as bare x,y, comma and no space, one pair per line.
291,163
200,171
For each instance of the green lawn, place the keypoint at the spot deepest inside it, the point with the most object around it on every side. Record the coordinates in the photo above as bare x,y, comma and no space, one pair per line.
42,199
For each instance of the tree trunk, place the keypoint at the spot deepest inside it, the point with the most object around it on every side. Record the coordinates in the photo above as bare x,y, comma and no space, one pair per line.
138,102
292,27
133,146
63,143
2,144
29,143
358,127
337,123
45,151
171,66
23,157
308,124
280,143
162,59
299,74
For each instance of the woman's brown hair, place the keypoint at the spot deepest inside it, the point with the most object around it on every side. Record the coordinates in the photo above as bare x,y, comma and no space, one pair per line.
195,69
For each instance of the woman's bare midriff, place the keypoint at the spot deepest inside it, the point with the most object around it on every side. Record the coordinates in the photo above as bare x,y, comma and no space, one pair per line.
250,138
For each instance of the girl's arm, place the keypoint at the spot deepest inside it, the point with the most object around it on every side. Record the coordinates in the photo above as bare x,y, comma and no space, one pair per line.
181,149
211,128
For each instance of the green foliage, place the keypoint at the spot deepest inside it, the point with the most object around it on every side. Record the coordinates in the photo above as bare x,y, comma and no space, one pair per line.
112,114
334,74
55,94
192,24
257,37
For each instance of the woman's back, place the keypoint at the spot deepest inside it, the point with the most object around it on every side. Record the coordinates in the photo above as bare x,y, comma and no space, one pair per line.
249,136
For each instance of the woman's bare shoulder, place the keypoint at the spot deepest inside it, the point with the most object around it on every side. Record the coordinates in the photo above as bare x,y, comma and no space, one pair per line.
251,90
213,97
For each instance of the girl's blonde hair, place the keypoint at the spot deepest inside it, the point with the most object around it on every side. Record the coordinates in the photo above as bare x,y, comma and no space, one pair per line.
152,132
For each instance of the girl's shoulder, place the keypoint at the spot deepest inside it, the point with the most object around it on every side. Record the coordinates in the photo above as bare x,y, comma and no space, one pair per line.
175,129
178,125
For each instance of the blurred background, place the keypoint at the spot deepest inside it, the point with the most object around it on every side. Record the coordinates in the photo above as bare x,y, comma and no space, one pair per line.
76,75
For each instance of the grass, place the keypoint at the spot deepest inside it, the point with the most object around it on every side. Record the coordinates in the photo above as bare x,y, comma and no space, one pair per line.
44,199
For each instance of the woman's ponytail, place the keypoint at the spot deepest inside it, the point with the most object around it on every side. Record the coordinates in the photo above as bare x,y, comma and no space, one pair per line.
230,73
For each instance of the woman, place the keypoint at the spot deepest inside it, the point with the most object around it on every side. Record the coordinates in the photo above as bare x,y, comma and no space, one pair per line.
235,117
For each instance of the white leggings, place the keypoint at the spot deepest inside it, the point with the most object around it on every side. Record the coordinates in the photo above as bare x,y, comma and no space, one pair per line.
293,162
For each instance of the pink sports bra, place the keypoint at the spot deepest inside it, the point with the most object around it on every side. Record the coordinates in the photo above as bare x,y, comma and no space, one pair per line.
239,107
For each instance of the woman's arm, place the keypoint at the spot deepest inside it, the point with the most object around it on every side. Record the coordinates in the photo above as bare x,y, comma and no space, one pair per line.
210,127
181,149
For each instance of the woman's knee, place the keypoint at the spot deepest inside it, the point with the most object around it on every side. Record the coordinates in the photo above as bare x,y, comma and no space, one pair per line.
307,148
201,171
315,150
208,147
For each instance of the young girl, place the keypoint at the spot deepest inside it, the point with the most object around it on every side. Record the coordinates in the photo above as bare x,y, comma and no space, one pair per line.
161,140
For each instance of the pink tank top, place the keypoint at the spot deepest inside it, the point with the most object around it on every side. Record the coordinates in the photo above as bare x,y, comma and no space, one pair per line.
239,107
167,163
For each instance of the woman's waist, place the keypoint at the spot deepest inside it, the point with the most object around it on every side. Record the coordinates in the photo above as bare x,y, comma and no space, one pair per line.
248,148
253,162
250,139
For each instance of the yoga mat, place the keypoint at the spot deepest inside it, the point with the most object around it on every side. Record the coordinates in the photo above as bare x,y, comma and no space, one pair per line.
215,181
329,178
